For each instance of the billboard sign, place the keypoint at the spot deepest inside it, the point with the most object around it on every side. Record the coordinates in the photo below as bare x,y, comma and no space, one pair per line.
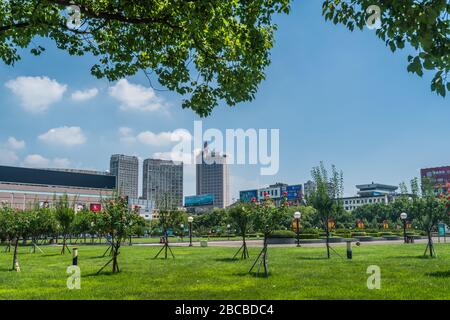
246,196
294,192
201,200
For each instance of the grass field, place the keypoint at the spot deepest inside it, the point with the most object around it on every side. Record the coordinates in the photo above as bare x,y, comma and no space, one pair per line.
209,273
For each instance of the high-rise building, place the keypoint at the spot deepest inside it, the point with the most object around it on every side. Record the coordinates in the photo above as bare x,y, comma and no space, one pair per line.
161,178
439,176
126,170
213,177
309,187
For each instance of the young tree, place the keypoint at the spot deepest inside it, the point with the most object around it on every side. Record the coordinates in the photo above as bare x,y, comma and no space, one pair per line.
428,210
5,226
169,217
82,224
42,222
242,219
17,225
267,218
116,219
326,197
64,214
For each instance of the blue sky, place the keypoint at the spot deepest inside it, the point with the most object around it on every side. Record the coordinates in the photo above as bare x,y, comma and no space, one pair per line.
336,96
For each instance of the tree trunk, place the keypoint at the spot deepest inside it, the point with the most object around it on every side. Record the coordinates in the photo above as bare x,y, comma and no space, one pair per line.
16,246
430,243
264,259
245,254
328,240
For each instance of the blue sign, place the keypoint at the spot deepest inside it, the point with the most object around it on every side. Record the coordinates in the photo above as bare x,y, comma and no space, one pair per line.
294,192
246,196
441,230
201,200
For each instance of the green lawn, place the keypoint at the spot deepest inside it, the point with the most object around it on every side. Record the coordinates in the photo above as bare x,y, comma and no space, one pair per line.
208,273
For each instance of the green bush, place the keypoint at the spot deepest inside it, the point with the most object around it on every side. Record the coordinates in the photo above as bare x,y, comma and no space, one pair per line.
309,231
359,234
342,233
374,234
282,234
363,238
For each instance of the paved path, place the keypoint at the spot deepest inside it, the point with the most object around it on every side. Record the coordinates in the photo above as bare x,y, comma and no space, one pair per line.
259,243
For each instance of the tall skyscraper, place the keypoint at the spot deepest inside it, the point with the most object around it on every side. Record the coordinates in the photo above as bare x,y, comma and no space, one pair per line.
126,170
213,177
161,178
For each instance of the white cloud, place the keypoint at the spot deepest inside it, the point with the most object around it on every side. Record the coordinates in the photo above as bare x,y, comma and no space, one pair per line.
61,162
126,135
36,93
38,161
84,95
134,97
163,138
8,157
16,144
66,136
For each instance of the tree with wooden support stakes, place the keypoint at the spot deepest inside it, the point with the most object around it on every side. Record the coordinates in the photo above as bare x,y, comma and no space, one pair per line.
169,217
428,210
65,215
6,230
267,218
116,219
42,223
326,197
15,224
241,216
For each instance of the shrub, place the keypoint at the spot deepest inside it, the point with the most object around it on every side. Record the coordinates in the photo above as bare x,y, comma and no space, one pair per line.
374,234
359,234
310,231
282,234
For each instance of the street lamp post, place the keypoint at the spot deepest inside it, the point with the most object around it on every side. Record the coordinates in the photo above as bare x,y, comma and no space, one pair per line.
190,219
403,216
228,230
297,216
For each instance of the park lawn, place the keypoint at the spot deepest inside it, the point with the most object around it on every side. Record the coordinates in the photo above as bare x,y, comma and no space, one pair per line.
209,273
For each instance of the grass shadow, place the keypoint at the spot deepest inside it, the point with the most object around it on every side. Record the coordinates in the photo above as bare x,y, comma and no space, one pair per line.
439,274
227,259
410,257
312,258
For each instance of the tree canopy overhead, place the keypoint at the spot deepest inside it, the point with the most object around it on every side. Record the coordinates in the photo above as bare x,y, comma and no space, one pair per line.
205,50
208,51
423,24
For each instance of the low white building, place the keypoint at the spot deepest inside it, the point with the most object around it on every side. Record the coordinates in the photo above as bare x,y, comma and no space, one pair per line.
370,194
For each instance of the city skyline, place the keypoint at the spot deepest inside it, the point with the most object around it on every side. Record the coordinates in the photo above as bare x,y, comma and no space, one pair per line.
81,121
